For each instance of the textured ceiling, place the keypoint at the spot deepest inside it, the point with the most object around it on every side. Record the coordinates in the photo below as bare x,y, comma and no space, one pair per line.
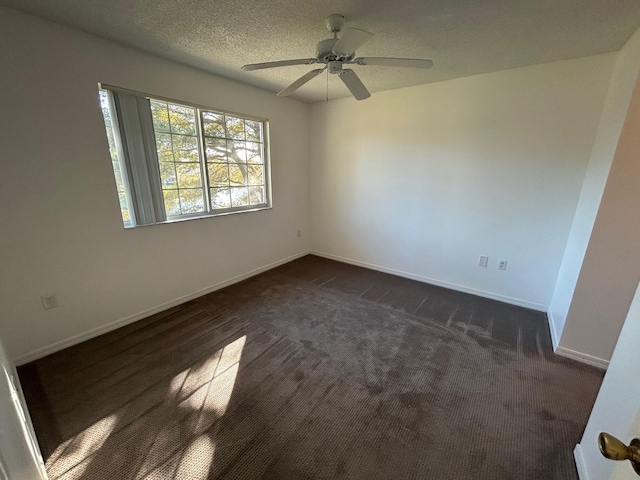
462,37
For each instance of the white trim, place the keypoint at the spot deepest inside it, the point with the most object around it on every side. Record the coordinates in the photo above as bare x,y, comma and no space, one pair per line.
453,286
555,339
68,342
32,437
582,357
581,466
151,96
572,354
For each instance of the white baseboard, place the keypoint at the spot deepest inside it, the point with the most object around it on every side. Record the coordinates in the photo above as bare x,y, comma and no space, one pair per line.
583,357
62,344
68,342
572,354
433,281
552,329
581,466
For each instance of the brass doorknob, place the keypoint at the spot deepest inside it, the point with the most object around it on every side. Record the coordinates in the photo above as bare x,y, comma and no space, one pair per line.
614,449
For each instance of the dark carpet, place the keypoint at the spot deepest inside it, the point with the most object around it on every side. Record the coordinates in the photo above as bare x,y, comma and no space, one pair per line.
315,369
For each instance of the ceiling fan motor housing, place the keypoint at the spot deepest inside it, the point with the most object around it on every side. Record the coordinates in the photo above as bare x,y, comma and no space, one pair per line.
324,51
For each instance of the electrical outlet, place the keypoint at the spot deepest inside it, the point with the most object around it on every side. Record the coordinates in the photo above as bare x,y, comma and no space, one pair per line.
49,301
483,261
299,233
502,264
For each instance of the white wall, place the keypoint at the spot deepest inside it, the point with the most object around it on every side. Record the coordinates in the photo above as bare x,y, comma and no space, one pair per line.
623,80
611,268
617,404
62,231
423,180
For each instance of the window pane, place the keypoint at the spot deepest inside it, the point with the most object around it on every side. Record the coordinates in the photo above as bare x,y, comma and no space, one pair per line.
160,115
238,174
218,174
191,201
164,147
108,123
185,149
115,160
238,151
118,175
254,152
213,124
235,127
124,208
182,119
253,131
168,175
239,196
233,154
188,175
216,149
220,198
171,202
178,157
256,195
255,174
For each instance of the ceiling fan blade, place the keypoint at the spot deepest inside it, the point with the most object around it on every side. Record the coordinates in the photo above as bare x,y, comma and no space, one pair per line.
350,40
301,81
353,83
395,62
281,63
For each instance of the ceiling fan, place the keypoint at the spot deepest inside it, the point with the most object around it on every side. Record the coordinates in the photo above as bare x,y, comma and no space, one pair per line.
336,52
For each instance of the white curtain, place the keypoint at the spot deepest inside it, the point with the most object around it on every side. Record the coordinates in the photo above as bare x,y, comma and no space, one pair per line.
139,156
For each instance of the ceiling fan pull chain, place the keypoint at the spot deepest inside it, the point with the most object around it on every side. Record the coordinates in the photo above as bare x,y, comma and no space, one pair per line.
327,86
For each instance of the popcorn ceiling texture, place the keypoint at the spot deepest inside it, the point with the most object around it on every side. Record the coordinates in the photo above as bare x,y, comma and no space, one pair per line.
462,37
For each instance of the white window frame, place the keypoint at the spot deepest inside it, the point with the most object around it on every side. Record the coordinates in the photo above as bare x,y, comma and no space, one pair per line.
199,109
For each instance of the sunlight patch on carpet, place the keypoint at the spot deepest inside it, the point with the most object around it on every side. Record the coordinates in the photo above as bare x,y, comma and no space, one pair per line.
202,394
74,451
197,459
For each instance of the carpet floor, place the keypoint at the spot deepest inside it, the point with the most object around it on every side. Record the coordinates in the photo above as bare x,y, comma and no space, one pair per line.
315,370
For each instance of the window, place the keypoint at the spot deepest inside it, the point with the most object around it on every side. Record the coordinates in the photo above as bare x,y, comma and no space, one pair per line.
115,160
174,161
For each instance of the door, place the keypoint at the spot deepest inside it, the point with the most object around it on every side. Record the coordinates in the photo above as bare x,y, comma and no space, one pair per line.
617,408
19,454
622,471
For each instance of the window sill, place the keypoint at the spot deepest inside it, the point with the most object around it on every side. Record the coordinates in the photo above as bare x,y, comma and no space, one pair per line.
200,216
